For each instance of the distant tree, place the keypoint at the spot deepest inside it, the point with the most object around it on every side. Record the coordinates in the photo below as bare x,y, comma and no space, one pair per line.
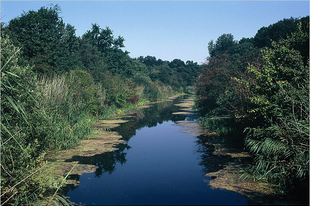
224,44
90,59
176,63
150,61
280,30
103,39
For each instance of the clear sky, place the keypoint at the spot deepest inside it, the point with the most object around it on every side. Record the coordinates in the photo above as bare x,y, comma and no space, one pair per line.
168,29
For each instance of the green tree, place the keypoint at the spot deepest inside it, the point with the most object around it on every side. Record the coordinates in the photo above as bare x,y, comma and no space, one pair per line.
176,63
224,44
280,95
218,93
83,91
46,41
280,30
91,60
103,39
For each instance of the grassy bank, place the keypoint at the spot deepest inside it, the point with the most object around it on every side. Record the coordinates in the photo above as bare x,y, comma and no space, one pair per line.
56,85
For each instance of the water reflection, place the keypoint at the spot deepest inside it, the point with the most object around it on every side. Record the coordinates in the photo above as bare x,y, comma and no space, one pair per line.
151,117
209,161
162,167
105,162
148,117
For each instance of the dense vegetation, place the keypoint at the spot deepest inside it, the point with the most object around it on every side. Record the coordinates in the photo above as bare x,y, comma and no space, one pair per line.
261,85
55,85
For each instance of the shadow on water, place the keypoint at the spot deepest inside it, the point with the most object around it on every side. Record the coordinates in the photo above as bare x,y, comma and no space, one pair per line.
150,117
205,145
208,144
183,179
147,117
209,161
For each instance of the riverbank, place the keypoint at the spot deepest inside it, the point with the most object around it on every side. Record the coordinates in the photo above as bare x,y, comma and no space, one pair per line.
232,176
105,150
227,177
103,140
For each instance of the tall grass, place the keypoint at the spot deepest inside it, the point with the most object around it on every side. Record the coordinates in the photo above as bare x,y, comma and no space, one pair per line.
53,91
52,113
56,122
37,115
281,151
67,122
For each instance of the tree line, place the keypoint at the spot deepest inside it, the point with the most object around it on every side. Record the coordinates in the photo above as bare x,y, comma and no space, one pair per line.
259,87
55,85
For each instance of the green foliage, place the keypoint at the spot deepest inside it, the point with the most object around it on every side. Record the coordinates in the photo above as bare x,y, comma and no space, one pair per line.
84,91
20,158
54,86
281,153
281,145
265,92
217,92
119,90
37,115
103,39
278,31
224,44
46,41
66,111
90,59
176,73
118,62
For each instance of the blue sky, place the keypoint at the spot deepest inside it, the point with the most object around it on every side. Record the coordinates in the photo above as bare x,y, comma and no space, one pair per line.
168,29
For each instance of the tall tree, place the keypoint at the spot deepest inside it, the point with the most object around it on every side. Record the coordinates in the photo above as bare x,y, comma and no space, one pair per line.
279,30
224,44
103,39
45,40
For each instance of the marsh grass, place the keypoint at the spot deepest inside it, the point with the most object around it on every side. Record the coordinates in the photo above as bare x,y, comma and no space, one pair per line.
66,119
47,120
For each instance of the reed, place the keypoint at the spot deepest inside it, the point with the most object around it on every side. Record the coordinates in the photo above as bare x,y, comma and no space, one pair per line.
67,120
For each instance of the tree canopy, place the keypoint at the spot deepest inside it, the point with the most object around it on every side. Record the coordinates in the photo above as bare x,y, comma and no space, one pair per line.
262,84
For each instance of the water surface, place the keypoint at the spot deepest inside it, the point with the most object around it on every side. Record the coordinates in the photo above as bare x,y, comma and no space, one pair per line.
159,164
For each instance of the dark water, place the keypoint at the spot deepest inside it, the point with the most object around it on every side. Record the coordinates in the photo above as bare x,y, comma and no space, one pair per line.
157,165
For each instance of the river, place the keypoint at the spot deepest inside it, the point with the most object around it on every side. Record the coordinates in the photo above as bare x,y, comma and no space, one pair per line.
163,160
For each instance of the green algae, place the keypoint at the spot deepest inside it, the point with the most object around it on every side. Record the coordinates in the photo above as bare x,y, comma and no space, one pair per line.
110,123
184,113
101,141
228,178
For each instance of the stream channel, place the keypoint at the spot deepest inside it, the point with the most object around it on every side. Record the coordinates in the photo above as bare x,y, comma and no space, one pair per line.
162,160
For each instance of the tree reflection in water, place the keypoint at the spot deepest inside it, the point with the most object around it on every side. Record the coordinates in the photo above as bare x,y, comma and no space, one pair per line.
148,117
